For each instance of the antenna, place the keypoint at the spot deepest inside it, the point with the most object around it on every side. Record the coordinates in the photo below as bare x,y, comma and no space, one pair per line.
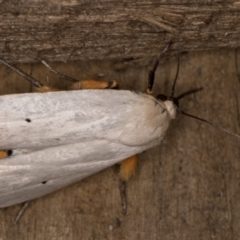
210,123
176,76
175,100
151,73
189,92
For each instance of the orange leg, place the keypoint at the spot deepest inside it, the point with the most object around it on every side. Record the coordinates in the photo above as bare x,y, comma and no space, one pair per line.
128,167
45,88
93,84
127,170
84,84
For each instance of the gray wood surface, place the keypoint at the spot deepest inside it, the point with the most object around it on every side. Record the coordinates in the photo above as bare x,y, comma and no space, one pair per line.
72,30
187,188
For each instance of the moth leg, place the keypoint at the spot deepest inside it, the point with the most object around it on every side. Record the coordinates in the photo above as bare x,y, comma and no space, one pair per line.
151,73
84,84
21,212
5,153
41,87
123,189
128,168
93,84
46,88
23,74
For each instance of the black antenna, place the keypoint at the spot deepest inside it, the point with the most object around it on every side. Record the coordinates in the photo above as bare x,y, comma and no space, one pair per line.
210,123
176,76
189,92
175,101
151,73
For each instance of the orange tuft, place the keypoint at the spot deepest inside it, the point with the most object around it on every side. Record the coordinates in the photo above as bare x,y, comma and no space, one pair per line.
3,154
128,167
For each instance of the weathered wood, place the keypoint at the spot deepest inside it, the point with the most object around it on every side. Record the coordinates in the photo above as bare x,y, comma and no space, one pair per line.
187,188
71,30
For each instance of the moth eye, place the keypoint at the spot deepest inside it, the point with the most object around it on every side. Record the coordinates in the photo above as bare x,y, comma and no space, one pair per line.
162,97
44,182
28,120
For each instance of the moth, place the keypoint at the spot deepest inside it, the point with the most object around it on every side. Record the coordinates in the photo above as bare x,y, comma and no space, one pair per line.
55,138
51,128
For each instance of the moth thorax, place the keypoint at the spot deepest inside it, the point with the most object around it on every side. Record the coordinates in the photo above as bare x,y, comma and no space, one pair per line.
171,108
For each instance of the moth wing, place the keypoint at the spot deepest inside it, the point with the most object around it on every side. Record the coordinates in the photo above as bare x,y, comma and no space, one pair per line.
60,138
149,120
28,176
39,120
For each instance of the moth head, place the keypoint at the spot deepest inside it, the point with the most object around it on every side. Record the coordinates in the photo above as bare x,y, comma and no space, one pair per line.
164,98
171,104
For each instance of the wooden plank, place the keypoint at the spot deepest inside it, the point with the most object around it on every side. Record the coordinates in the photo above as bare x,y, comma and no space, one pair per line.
72,30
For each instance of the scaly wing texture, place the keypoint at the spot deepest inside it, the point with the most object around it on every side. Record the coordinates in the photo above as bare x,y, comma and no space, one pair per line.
62,137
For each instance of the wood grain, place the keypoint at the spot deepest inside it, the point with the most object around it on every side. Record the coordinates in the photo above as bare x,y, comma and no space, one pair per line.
71,30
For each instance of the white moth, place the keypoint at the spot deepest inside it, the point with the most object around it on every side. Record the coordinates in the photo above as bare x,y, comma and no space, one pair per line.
59,138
